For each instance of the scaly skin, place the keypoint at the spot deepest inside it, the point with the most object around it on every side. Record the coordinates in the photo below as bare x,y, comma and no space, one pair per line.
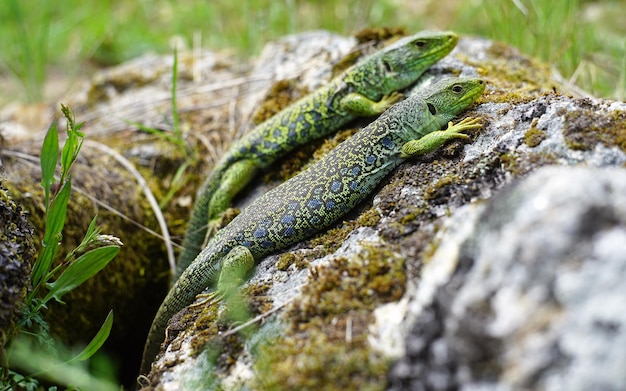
365,89
319,196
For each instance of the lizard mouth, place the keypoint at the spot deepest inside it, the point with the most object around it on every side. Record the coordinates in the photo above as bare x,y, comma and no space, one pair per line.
450,42
473,91
476,90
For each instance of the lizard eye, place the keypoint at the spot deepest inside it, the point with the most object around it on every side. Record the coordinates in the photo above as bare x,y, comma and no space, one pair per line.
420,44
431,108
457,88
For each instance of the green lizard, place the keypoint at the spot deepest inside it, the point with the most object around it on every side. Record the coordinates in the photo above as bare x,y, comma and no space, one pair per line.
317,197
368,88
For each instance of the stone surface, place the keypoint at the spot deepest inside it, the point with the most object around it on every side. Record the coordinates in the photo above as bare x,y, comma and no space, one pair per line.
17,254
532,298
500,256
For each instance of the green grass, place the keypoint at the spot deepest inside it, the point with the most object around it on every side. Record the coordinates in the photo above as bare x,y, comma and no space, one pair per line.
41,37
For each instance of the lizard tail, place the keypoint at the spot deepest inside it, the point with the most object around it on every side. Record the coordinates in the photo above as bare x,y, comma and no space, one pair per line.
198,276
197,226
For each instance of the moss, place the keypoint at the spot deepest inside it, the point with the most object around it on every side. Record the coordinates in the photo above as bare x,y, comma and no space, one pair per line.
524,73
257,297
325,341
440,188
332,239
378,34
280,95
17,254
285,260
211,324
299,259
586,127
411,215
519,79
351,284
504,96
321,360
368,218
534,136
520,164
367,39
209,332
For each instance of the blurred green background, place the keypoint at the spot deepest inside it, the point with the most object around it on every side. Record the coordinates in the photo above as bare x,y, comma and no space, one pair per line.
46,45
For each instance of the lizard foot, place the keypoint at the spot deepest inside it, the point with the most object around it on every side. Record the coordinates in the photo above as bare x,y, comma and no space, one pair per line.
465,124
434,140
206,299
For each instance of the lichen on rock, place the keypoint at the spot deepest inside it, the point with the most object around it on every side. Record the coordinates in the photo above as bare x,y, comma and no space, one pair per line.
533,295
17,252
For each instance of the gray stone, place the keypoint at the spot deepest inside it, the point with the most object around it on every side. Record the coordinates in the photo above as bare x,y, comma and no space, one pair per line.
504,289
535,298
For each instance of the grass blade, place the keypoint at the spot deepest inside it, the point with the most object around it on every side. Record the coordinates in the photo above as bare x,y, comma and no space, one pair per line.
28,356
80,270
97,341
55,220
48,160
57,212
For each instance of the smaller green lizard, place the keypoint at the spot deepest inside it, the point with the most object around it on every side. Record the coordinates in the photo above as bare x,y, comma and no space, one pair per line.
367,88
317,197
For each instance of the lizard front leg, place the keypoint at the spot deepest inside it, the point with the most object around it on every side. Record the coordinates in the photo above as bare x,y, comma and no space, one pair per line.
363,106
235,178
235,266
434,140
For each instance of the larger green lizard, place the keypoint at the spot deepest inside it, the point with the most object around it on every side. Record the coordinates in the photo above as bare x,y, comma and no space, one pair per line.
320,195
367,88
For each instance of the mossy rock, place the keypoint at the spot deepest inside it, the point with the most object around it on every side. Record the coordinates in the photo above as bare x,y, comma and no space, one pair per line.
17,253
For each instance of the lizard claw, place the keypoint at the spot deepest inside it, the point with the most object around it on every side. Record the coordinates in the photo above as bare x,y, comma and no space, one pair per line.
465,124
392,98
206,299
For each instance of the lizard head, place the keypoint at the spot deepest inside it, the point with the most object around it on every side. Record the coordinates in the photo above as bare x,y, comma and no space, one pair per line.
449,97
403,62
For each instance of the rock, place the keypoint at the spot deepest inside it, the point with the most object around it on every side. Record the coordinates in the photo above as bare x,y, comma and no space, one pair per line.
17,254
532,297
473,267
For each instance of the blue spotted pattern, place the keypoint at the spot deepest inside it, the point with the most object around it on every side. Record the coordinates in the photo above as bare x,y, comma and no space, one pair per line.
314,203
